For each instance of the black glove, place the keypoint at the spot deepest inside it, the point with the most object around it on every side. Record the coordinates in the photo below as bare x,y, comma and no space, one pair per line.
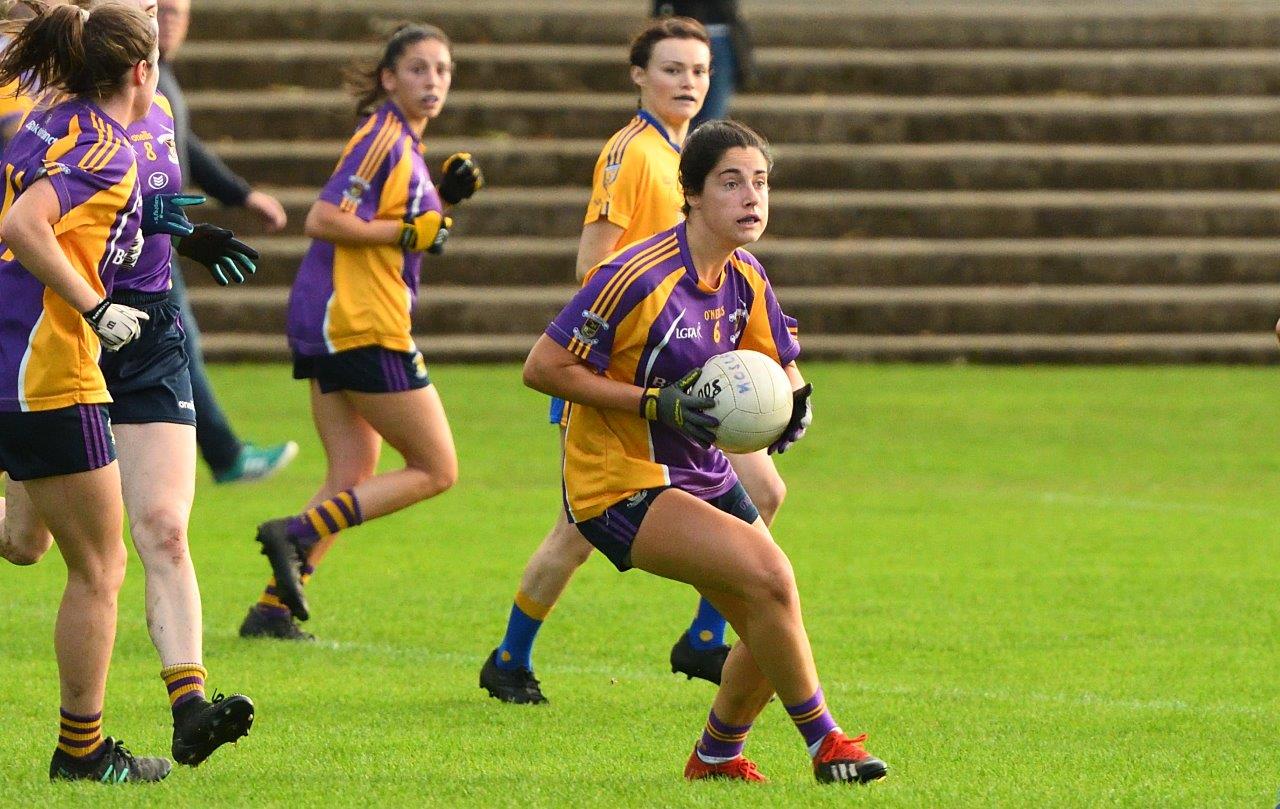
164,213
227,258
801,418
680,410
460,177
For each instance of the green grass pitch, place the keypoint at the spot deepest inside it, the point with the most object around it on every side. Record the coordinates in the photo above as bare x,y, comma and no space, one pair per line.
1032,587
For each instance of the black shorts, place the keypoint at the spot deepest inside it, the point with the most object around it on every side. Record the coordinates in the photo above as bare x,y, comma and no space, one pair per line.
48,443
372,369
150,378
613,531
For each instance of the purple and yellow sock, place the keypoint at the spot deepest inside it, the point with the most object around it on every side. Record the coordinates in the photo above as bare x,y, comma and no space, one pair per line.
185,682
707,629
269,602
813,720
721,742
333,515
516,649
80,736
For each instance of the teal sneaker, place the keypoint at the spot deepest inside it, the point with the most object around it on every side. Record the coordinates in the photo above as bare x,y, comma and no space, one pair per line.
258,463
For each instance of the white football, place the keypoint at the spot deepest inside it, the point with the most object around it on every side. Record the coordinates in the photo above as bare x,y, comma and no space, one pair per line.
753,399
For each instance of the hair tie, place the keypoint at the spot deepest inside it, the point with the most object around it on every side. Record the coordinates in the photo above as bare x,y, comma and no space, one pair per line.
84,15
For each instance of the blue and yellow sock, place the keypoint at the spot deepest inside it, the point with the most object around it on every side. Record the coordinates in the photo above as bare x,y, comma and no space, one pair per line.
80,736
516,649
333,515
707,629
185,682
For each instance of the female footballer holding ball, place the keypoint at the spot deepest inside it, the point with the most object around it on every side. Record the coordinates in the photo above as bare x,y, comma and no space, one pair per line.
634,195
641,480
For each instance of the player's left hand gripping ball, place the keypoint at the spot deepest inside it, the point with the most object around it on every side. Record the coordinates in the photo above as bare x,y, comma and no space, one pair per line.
227,258
801,418
427,233
460,177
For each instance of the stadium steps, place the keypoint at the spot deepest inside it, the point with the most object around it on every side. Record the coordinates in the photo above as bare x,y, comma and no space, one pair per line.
461,310
804,70
885,167
296,113
956,180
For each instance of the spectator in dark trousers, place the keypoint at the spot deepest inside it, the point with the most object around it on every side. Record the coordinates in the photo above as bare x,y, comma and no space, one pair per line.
731,63
229,458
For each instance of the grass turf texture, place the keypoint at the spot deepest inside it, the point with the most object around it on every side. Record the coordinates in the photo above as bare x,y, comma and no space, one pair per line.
1032,586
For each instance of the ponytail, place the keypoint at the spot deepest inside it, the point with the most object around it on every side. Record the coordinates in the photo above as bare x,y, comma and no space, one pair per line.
68,49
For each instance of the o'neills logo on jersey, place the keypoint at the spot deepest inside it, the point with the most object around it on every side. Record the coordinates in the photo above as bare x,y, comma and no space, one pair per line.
356,188
589,332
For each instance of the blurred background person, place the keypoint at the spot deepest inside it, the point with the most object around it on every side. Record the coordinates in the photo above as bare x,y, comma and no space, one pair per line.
229,458
731,64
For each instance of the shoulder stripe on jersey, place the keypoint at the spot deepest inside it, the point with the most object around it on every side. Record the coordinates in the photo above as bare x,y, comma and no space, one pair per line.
381,145
609,298
97,144
110,145
622,138
626,274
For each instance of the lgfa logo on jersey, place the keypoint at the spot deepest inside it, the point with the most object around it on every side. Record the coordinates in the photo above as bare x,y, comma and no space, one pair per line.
589,332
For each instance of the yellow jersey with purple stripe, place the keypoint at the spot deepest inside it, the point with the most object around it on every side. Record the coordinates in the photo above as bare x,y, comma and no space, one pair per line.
644,318
636,181
14,106
48,353
348,296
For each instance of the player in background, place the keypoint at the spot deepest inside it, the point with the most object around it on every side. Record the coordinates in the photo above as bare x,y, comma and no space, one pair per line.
642,481
71,221
350,321
634,194
153,419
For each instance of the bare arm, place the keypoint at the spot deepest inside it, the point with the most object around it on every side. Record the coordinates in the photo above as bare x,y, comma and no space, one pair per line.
793,373
598,240
28,231
553,370
328,222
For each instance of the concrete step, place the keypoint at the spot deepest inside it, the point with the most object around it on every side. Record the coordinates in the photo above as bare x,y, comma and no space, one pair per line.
860,262
530,66
800,119
849,23
514,211
832,309
1251,348
897,167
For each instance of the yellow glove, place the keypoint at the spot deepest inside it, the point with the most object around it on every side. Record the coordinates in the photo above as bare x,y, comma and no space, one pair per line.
427,233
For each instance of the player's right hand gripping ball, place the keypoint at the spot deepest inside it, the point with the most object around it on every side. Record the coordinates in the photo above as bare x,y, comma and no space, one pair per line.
427,233
460,177
677,407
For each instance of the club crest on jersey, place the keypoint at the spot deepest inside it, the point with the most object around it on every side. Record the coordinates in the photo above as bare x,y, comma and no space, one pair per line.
158,180
171,146
589,332
356,188
611,173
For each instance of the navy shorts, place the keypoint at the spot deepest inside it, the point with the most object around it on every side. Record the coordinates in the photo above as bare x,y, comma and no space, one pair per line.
372,369
150,378
556,415
613,531
48,443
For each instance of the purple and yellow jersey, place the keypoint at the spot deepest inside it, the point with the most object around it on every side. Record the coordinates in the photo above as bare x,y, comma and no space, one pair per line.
636,181
348,296
158,173
644,318
48,353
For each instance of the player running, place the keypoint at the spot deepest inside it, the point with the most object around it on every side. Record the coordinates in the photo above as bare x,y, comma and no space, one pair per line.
349,321
71,217
153,419
641,480
634,195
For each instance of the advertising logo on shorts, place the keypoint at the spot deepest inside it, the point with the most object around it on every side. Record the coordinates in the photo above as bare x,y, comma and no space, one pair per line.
589,332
